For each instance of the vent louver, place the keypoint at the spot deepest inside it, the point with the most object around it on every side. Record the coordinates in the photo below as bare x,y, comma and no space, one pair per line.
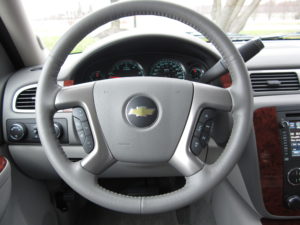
279,81
25,100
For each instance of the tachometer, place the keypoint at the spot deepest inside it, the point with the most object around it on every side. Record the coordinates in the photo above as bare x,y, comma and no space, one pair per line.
126,68
168,68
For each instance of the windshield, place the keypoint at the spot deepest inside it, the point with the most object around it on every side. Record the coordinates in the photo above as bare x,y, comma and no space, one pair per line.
239,19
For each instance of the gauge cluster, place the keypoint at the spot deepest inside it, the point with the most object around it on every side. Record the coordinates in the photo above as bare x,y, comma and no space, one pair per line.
180,67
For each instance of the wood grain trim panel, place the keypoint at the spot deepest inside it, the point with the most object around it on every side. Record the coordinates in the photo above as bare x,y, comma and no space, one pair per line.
226,80
2,163
271,161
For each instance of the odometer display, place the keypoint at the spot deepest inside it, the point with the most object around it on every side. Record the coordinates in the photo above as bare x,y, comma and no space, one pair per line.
126,68
168,68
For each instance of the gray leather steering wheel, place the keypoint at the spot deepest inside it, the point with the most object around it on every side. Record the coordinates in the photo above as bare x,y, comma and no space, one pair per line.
176,105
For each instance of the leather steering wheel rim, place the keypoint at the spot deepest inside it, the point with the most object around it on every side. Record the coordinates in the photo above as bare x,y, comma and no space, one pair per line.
199,179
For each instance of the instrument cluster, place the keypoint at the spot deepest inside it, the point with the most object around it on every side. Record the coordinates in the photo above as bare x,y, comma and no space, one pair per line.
171,67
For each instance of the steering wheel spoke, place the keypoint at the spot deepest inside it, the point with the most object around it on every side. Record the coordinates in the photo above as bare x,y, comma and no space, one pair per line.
81,95
74,96
208,96
98,160
205,96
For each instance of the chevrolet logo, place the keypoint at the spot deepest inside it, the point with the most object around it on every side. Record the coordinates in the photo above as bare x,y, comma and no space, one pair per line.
141,111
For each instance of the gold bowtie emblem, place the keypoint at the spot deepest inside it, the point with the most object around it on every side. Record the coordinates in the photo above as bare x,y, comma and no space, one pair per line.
141,111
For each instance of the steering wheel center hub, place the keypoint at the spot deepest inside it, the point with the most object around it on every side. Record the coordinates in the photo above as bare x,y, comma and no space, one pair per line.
143,118
141,111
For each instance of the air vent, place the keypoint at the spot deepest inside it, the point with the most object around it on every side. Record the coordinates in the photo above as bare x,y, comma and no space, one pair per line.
280,81
25,99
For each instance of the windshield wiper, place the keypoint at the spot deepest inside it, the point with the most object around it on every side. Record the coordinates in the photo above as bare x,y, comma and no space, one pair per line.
291,36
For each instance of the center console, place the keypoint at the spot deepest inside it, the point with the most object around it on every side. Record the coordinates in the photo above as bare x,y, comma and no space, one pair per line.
277,131
289,126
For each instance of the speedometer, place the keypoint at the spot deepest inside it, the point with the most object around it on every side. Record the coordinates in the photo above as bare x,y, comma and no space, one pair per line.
168,68
126,68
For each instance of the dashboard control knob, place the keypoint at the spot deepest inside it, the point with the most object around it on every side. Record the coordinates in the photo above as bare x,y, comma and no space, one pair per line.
17,131
293,202
58,129
284,124
293,176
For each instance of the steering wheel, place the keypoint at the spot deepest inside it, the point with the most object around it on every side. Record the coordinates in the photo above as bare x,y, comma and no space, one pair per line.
144,119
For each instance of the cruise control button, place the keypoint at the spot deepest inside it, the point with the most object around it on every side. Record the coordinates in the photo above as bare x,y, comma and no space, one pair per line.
208,126
204,138
78,124
88,144
81,136
86,128
196,146
79,113
207,114
198,129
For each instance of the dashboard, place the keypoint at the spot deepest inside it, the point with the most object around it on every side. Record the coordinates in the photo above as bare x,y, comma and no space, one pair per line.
262,167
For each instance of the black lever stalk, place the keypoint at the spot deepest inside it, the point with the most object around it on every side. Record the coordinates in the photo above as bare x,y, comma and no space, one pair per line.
247,51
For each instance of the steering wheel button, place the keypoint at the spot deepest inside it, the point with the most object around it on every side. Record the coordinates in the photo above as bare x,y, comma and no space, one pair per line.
196,146
78,124
88,144
208,126
86,128
199,129
79,113
81,136
204,138
206,115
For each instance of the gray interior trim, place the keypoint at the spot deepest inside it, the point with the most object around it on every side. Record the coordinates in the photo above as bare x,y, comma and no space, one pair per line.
230,209
280,100
236,179
278,54
30,203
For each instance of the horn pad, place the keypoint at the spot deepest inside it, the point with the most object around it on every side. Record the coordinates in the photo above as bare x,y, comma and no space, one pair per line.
142,118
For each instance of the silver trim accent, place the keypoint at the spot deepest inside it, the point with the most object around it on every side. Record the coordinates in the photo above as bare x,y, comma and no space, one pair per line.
216,98
288,176
82,95
14,102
